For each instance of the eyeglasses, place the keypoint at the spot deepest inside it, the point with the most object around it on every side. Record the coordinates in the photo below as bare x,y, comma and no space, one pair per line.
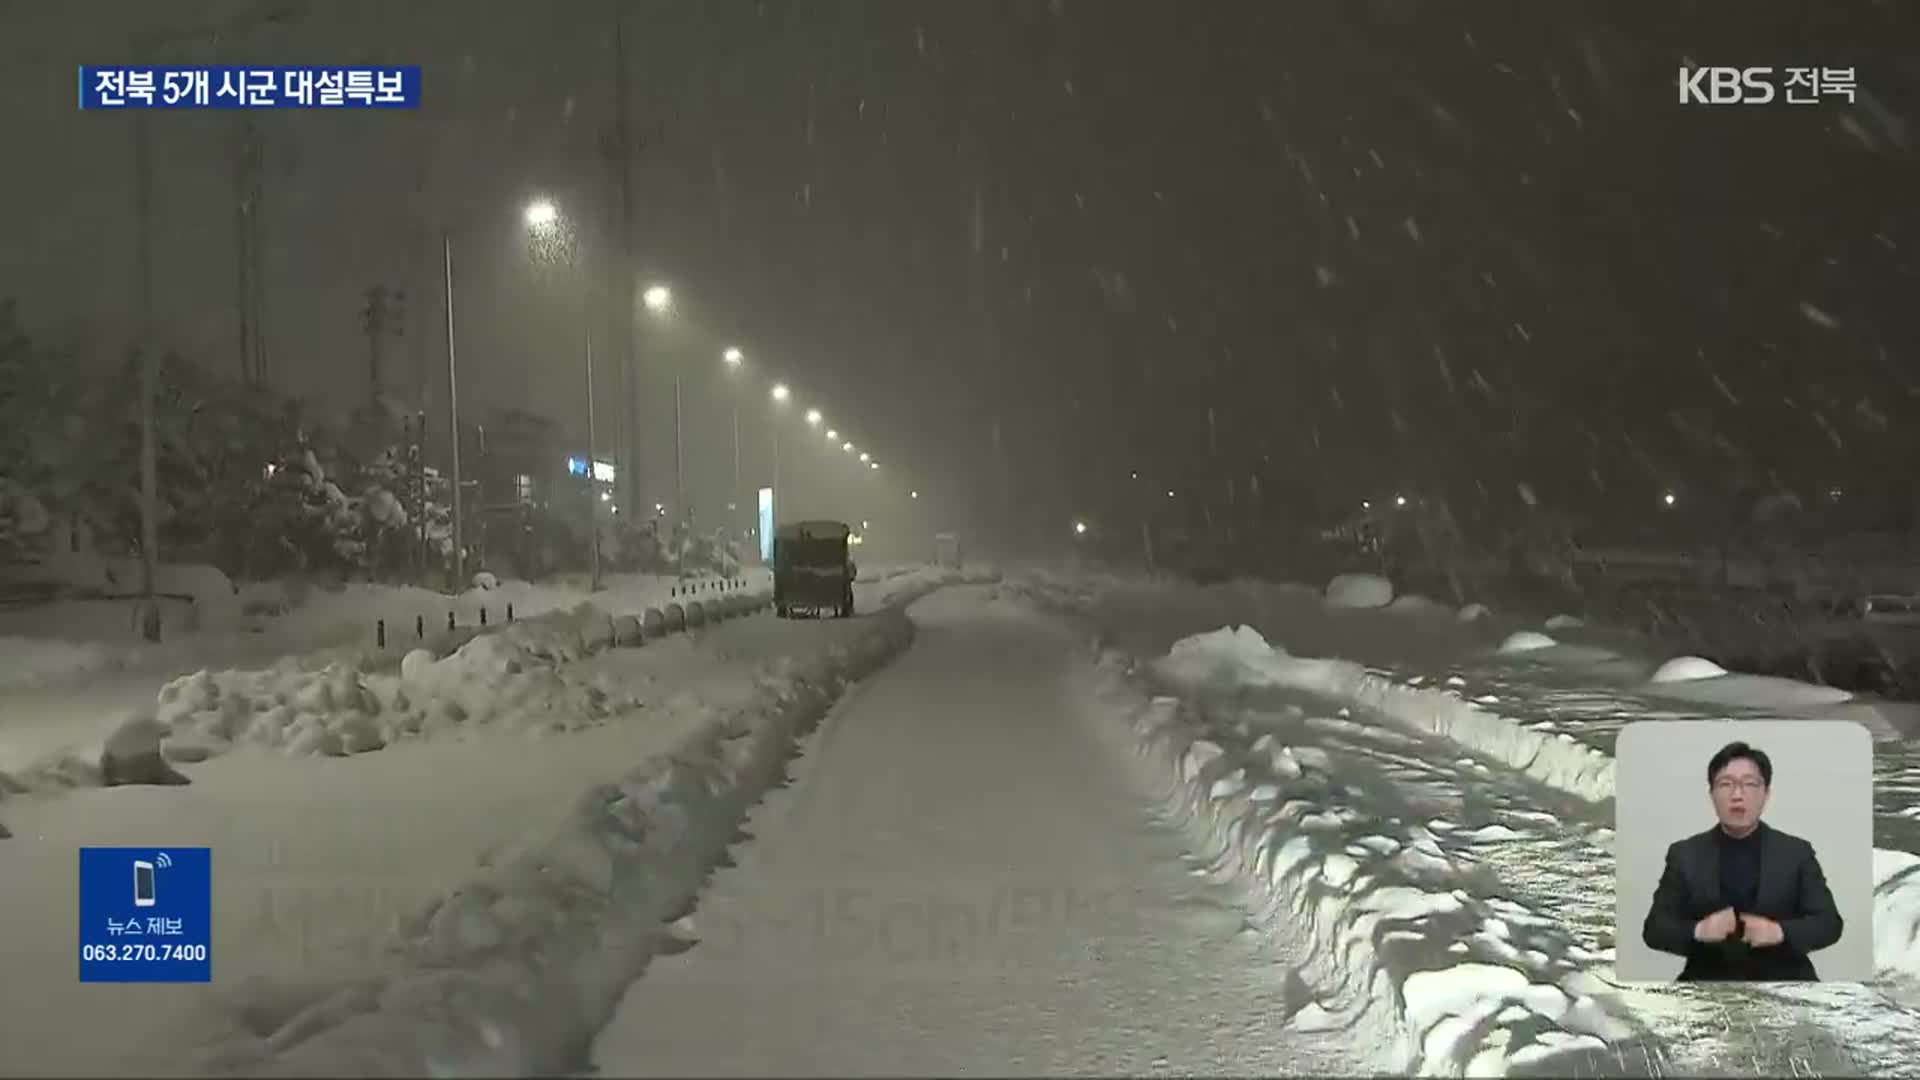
1728,787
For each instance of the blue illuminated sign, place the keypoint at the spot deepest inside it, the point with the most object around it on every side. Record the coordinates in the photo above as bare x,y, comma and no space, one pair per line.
146,914
577,466
766,525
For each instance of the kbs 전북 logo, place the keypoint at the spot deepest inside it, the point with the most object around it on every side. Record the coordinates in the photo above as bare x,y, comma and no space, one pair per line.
1764,85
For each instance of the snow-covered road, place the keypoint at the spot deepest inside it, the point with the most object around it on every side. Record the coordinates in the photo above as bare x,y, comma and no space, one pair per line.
961,879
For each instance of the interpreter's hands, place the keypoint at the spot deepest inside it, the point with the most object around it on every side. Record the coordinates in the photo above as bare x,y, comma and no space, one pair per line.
1718,926
1760,931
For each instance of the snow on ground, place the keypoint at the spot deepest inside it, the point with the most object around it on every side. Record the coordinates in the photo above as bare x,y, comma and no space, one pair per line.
56,643
1541,723
43,723
469,904
960,880
1366,841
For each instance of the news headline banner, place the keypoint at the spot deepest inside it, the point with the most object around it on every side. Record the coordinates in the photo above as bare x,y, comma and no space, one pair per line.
159,86
146,915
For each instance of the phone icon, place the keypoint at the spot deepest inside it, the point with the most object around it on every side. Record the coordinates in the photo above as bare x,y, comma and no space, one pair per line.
143,884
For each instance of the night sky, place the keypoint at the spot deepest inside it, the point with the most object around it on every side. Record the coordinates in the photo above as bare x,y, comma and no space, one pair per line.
1341,248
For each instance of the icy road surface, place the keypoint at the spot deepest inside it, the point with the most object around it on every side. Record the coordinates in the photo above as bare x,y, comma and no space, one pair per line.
960,880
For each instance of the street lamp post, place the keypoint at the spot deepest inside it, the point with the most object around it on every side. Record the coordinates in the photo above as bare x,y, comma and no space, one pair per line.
733,358
780,395
658,300
553,235
593,458
453,417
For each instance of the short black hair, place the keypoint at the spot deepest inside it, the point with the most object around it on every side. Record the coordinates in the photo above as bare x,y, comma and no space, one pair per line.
1733,752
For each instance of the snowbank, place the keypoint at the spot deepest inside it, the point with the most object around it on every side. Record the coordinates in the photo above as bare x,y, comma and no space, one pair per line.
515,973
1521,641
1686,669
64,641
1394,932
1359,591
1240,657
1229,660
511,675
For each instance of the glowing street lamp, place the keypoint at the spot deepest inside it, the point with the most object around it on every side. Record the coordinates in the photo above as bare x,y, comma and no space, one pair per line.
1080,528
733,357
873,464
780,392
813,417
541,215
865,457
913,494
658,298
832,435
848,447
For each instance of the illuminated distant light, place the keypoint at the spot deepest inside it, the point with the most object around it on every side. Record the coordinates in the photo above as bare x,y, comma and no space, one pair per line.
658,298
780,392
832,435
1833,493
606,496
865,524
1169,493
813,416
1366,504
913,494
848,447
1080,528
873,465
864,456
1136,475
1668,498
1399,500
541,214
733,356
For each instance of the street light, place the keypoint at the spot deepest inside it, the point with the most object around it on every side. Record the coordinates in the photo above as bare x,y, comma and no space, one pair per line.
848,447
865,457
542,215
1080,528
813,417
733,357
545,223
658,299
832,435
913,494
873,464
780,394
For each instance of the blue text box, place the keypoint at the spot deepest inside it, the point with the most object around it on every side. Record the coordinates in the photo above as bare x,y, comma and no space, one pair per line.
172,86
146,914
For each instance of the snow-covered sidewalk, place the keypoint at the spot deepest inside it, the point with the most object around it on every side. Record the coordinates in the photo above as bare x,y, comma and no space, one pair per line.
471,898
1494,765
960,880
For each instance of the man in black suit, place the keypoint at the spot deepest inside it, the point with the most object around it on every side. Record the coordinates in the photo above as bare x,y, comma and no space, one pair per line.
1743,902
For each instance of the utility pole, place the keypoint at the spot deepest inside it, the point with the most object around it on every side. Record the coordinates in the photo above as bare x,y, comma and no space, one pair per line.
150,49
149,380
593,451
453,420
625,310
246,183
